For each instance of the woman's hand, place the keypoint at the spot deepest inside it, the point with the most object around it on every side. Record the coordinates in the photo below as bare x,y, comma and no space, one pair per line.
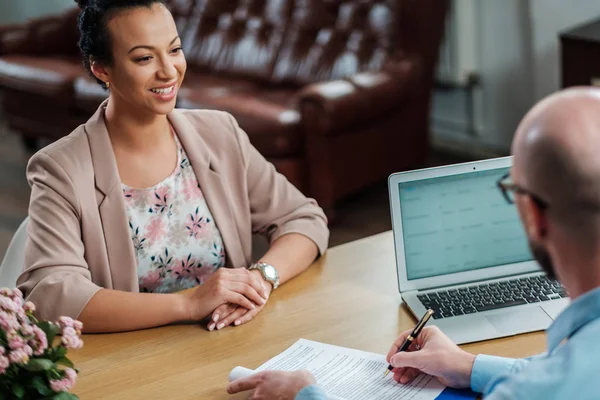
226,286
235,314
432,353
272,384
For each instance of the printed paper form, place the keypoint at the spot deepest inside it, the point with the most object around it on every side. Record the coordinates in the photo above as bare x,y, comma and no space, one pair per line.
351,374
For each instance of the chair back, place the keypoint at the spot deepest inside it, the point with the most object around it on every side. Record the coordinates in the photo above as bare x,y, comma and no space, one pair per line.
12,264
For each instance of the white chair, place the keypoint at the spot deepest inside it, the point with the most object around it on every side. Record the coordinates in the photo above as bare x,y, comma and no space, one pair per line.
12,264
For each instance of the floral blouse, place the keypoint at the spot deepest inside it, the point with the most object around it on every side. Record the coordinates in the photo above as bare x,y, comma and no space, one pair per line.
177,244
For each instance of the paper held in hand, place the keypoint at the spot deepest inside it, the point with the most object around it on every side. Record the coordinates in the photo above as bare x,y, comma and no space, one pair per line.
347,374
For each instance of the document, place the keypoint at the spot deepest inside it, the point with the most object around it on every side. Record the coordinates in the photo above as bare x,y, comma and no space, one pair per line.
347,374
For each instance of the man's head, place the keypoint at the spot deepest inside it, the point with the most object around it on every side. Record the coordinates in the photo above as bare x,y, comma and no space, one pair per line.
557,163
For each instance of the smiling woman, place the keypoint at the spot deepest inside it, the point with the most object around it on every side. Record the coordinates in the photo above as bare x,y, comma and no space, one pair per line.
145,200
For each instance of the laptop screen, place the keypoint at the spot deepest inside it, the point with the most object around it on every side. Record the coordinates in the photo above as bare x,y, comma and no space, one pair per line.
459,223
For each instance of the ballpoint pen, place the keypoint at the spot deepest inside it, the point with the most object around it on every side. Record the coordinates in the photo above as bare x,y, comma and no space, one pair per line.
410,338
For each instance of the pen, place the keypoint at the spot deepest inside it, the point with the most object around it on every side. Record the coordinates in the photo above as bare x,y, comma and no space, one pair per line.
410,338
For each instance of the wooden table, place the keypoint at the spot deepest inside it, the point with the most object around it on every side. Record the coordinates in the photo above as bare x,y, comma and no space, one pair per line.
348,298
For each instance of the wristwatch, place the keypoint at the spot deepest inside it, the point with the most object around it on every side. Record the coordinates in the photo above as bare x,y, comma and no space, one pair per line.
268,272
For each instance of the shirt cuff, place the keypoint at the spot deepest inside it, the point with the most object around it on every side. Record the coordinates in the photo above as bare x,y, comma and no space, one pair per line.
312,392
486,368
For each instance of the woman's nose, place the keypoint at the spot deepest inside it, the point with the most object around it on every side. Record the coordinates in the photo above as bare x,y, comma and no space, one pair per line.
167,70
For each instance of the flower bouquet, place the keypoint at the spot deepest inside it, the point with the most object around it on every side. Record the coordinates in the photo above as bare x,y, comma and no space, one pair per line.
33,365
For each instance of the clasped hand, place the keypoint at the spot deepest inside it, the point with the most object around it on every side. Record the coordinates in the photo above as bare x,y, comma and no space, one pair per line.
230,295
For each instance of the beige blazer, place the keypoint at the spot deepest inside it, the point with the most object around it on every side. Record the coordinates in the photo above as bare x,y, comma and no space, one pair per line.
79,239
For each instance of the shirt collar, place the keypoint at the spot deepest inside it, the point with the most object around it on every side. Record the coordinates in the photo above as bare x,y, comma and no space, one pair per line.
580,312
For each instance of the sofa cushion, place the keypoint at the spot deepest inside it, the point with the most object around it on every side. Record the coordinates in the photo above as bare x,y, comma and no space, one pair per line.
47,76
268,115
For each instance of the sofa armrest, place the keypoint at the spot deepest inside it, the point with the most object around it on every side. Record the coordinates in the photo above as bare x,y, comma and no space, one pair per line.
345,103
53,35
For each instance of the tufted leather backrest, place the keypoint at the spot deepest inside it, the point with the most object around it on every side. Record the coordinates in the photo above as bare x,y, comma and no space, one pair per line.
330,39
289,41
240,37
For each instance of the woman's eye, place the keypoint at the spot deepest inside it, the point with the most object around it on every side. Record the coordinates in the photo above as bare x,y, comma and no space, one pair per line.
143,59
176,50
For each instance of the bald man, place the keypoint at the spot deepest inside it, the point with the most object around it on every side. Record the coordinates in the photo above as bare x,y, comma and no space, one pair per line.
555,184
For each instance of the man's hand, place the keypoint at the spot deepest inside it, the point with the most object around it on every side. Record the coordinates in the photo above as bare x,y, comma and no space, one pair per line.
276,385
230,313
437,356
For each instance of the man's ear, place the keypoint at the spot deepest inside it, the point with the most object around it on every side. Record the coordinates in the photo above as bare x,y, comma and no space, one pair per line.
99,71
534,219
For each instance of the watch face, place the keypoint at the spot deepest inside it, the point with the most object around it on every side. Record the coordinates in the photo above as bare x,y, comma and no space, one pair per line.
270,272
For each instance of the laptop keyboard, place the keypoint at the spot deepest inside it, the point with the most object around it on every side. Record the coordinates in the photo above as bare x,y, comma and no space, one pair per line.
491,296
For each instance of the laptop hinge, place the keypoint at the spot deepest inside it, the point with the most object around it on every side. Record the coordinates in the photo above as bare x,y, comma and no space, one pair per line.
478,281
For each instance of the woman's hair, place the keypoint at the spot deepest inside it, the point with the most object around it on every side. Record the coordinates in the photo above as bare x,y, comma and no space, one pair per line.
94,41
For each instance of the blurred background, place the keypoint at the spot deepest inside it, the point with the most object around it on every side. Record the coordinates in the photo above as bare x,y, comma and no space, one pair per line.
337,94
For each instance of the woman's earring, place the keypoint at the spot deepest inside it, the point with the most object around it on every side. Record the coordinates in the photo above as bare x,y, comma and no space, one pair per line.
107,84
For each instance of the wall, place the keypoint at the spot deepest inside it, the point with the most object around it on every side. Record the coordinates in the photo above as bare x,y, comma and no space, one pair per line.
549,17
14,11
519,63
506,89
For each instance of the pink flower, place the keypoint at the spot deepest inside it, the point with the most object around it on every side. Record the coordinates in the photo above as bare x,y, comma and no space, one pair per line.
65,384
78,325
8,322
17,294
8,305
15,341
4,364
156,229
130,195
29,307
65,322
18,357
191,190
27,330
70,339
39,341
151,280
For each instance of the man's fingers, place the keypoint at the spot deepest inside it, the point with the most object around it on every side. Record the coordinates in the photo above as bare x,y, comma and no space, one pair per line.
243,384
410,359
408,375
397,343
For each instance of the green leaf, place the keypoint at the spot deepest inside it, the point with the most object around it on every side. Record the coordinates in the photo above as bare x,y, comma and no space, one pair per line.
18,390
50,329
39,364
60,352
41,386
66,362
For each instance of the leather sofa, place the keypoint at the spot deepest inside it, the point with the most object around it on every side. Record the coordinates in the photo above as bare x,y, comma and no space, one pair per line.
336,94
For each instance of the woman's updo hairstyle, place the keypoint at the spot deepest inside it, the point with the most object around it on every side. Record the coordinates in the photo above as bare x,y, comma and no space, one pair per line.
94,41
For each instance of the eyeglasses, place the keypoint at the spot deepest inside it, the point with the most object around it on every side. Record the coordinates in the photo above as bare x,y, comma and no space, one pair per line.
509,188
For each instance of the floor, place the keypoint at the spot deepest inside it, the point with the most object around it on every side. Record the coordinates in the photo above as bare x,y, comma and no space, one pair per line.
362,215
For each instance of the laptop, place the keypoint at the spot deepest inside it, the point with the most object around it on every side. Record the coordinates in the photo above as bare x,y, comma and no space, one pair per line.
461,250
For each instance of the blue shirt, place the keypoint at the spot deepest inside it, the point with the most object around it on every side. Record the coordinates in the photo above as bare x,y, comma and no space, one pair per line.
569,370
